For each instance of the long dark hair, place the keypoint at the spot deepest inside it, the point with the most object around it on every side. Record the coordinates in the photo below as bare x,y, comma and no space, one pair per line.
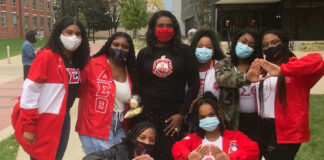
257,51
79,56
130,60
207,98
151,40
130,139
281,84
218,53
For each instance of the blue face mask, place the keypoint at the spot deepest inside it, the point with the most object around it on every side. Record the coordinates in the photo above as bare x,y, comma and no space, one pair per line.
209,123
203,54
243,51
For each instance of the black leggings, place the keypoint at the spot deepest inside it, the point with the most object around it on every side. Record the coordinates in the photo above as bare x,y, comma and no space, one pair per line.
248,123
269,148
65,134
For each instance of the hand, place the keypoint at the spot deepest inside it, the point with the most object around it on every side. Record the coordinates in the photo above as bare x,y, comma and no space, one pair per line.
254,72
30,137
37,50
198,153
272,69
143,157
214,150
175,122
222,156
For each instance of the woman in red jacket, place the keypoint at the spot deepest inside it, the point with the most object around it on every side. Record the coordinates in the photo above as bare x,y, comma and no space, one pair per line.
283,98
107,82
41,119
211,140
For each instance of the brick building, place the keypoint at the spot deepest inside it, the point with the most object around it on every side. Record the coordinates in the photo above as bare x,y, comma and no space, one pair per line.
19,16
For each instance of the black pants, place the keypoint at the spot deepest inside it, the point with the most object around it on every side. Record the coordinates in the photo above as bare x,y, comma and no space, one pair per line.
268,145
65,134
248,124
164,143
26,70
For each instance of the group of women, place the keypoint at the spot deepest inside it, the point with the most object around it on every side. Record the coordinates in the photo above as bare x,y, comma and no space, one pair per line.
241,107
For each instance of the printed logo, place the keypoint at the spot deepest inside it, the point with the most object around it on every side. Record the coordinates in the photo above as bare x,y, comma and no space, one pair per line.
101,105
162,67
233,146
104,86
74,75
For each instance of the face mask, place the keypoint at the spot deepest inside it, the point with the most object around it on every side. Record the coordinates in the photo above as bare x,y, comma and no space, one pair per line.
164,34
70,43
118,55
203,54
243,51
143,148
209,123
272,53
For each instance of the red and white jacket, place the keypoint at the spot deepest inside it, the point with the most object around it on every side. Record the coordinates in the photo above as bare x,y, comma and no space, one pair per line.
97,98
292,124
245,149
42,105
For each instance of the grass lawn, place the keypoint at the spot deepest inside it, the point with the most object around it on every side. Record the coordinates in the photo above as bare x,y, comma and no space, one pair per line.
9,148
315,147
16,45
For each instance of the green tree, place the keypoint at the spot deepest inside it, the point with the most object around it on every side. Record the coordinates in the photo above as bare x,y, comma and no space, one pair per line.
134,14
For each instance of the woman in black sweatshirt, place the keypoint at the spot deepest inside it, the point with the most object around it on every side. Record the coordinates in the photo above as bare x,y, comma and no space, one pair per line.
165,67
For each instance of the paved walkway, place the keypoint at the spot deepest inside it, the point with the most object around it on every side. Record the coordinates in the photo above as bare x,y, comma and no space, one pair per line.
11,87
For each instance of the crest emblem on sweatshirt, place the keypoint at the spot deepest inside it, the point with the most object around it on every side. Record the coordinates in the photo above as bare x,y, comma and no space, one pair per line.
162,67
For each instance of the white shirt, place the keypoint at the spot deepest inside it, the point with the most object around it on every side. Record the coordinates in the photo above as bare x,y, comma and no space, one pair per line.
218,143
123,94
247,99
269,95
208,80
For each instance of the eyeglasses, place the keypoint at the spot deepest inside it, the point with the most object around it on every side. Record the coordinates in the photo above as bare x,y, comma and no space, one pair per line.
273,42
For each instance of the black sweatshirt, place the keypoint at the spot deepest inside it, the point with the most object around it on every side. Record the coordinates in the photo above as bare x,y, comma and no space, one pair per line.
163,76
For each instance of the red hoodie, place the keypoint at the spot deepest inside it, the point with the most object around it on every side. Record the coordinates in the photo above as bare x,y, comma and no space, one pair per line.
246,148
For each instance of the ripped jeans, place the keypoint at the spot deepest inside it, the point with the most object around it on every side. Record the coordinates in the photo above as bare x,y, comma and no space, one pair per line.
267,141
92,144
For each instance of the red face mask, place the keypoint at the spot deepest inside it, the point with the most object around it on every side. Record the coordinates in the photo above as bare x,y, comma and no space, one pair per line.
164,34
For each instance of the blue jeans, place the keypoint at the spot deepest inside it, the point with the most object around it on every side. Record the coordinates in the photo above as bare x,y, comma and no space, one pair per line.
92,144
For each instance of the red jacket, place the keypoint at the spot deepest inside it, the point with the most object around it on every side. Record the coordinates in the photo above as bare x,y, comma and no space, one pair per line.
97,97
246,148
42,105
292,124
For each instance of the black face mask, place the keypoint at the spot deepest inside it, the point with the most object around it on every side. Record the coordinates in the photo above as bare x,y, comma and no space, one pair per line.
143,148
32,40
272,53
118,55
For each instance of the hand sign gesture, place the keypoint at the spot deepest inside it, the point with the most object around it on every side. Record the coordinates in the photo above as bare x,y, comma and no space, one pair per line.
198,153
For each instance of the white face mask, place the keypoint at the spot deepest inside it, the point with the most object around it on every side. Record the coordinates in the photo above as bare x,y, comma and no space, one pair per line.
70,43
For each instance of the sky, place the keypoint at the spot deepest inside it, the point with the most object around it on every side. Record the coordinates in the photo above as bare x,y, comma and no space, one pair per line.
168,4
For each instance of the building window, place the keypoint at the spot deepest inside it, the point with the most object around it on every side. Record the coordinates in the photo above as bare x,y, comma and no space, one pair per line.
48,3
34,4
41,5
35,22
49,24
14,19
42,23
4,19
3,2
26,22
26,3
13,3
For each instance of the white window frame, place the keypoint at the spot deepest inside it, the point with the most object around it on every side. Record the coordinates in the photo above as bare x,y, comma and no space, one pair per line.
42,24
13,3
25,4
41,5
26,28
49,26
34,6
4,19
12,20
48,5
34,24
3,2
